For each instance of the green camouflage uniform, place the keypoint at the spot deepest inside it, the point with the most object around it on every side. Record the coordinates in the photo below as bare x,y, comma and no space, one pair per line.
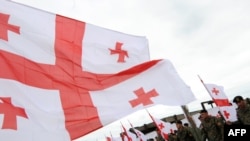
244,115
172,137
183,134
212,129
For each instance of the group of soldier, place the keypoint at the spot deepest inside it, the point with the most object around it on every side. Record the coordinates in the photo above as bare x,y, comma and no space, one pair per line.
211,127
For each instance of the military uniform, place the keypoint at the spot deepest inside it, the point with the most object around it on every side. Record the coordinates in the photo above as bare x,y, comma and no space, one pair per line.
244,115
212,129
172,137
183,134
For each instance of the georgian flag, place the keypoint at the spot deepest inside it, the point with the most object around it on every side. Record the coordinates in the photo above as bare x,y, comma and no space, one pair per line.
61,57
229,113
219,97
158,84
217,94
28,113
163,127
49,92
38,35
138,133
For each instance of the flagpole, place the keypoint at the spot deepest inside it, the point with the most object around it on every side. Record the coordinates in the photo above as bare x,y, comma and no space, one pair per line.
219,112
204,85
191,121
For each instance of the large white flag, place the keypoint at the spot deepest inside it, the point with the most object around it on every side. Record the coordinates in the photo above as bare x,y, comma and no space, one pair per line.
45,37
157,84
28,113
61,57
42,59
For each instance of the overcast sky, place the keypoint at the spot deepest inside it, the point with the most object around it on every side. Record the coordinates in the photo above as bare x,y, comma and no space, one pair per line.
209,38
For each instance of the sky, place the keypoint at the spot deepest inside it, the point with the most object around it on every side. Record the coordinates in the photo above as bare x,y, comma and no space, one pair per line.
206,38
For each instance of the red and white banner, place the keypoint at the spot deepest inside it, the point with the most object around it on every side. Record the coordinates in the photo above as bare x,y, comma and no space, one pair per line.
217,94
45,38
28,113
229,113
219,97
50,52
138,133
159,84
163,127
51,91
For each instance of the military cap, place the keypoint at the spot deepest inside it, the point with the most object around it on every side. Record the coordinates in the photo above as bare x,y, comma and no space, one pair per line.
237,99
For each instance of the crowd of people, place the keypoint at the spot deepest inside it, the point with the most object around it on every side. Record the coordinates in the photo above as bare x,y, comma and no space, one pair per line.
211,127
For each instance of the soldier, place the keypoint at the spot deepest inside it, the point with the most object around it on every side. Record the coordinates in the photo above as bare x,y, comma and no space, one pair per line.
172,136
212,127
243,111
183,134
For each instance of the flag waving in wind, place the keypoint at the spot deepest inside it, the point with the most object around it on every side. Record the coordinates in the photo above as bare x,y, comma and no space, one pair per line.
55,83
164,128
138,133
217,94
43,56
219,97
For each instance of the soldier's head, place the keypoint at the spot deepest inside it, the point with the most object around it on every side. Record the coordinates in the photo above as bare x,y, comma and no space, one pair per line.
239,101
203,114
178,124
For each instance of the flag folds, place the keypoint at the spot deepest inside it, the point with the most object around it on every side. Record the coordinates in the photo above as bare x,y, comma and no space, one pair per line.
164,128
219,97
154,82
61,78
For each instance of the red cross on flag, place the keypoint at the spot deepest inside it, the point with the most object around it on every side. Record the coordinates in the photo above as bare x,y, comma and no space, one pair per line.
229,113
50,91
217,94
220,99
28,113
33,33
163,127
159,84
138,133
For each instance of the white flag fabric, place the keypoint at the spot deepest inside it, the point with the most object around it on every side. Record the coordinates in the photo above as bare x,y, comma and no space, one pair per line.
46,52
163,127
33,33
229,113
30,114
158,84
50,52
107,51
214,111
219,97
217,94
